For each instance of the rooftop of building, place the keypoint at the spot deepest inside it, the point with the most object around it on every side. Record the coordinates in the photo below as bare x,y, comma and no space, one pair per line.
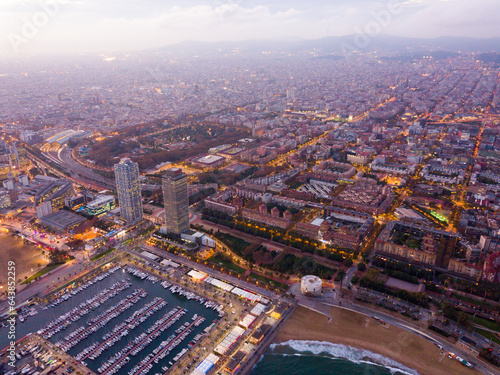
209,159
174,173
101,199
62,218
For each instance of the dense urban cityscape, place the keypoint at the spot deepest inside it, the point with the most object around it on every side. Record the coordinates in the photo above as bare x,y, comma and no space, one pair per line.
236,203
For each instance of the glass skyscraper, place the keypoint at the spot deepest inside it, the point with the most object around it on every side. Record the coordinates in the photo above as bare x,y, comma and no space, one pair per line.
129,190
175,197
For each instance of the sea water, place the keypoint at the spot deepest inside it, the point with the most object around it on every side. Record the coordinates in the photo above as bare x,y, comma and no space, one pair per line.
297,357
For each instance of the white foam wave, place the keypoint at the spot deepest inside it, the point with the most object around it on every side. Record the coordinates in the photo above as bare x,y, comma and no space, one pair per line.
347,352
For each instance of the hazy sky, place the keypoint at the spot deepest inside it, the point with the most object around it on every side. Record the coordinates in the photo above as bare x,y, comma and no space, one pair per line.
28,26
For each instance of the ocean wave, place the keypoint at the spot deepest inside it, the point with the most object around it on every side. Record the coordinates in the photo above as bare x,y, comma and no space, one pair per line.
349,353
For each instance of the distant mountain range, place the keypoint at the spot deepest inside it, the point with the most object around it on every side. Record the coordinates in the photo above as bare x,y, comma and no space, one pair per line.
338,45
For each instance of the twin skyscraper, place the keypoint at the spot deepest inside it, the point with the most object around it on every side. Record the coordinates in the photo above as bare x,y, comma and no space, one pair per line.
175,196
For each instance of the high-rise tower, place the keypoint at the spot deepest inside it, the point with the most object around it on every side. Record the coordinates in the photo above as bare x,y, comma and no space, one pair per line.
175,197
129,190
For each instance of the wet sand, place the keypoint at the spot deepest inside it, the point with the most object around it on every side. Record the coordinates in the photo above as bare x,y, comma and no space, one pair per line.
358,331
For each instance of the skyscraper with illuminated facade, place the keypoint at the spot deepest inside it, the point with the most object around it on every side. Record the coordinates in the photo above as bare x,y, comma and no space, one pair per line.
129,190
175,197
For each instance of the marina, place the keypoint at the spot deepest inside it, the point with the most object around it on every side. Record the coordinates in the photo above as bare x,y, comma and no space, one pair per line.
124,321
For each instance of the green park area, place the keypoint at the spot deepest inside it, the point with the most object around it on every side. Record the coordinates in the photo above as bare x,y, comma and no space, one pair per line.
222,260
265,281
489,335
103,254
439,216
489,324
40,273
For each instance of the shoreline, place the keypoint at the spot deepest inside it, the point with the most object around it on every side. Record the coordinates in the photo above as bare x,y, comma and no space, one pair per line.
361,332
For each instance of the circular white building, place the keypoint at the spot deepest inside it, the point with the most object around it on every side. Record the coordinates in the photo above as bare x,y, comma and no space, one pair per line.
310,285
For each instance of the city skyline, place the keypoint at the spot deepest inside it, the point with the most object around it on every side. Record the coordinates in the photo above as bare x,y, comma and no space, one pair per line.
244,187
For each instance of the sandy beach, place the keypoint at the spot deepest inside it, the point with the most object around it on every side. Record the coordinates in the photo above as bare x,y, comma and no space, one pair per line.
359,331
25,255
